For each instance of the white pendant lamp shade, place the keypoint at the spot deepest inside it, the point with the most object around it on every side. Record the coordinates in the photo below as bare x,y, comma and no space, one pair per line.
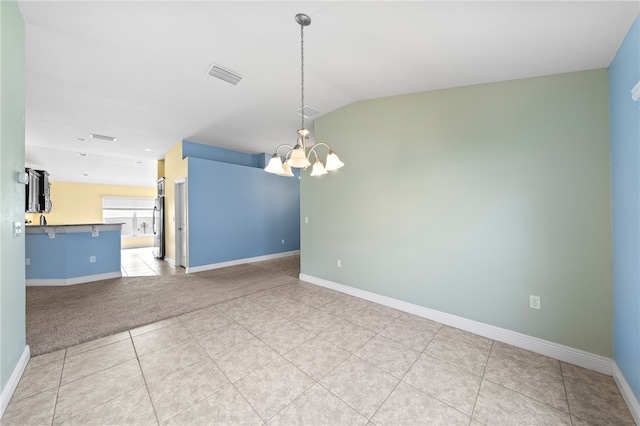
275,165
287,170
298,158
318,169
333,162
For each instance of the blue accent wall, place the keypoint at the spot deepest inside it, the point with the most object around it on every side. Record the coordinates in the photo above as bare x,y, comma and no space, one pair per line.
238,212
208,152
624,73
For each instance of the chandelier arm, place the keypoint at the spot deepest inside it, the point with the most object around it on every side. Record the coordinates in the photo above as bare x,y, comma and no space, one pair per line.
288,154
280,146
313,149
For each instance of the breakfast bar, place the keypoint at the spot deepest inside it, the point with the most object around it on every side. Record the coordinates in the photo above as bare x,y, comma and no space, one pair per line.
72,254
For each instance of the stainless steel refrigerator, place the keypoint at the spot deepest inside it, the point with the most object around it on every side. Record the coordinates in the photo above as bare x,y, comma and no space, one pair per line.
158,222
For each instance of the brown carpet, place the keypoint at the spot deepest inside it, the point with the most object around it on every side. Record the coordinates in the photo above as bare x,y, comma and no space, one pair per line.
59,317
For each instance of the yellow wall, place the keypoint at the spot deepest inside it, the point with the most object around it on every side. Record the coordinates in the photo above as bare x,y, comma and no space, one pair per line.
175,167
75,203
160,168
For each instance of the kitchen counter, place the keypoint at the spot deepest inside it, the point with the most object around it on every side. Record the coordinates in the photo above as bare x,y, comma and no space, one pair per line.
72,228
72,253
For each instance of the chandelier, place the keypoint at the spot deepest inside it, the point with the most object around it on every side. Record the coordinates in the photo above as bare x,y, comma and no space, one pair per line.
299,156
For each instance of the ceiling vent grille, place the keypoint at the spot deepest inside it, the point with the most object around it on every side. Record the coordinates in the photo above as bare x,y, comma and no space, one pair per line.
223,74
103,137
308,111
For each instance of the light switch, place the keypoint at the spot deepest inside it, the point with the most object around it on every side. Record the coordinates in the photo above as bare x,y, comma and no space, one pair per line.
22,177
17,229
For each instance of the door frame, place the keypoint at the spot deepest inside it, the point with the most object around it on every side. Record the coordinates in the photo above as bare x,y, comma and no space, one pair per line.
178,208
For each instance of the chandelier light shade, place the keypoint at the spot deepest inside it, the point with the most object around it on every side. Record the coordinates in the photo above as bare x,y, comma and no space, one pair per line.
275,165
333,162
299,156
287,170
318,168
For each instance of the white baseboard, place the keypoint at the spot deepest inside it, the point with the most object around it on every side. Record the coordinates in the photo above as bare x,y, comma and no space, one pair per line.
73,281
554,350
170,261
12,383
241,261
627,393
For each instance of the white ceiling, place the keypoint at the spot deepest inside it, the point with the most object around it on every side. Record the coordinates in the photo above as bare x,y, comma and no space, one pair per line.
137,70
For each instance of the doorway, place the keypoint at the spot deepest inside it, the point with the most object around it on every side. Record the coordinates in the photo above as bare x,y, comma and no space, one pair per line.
181,221
141,262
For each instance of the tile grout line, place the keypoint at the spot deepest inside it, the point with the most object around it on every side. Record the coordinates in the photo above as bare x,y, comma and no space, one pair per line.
484,371
96,372
338,396
529,396
316,382
400,380
187,366
144,379
353,354
566,394
329,372
446,362
231,383
428,394
450,363
55,404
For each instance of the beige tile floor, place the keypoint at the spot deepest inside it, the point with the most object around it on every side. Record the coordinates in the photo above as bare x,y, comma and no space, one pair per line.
302,354
139,262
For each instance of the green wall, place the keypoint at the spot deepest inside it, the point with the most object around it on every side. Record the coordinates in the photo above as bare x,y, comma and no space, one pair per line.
12,272
468,200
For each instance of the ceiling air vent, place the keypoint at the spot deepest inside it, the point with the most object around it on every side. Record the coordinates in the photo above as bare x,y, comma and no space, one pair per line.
308,111
103,137
223,74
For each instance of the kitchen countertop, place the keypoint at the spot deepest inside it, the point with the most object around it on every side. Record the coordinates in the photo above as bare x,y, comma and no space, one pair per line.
37,225
52,230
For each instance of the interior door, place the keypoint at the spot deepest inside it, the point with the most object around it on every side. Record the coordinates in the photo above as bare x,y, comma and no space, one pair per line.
155,224
181,223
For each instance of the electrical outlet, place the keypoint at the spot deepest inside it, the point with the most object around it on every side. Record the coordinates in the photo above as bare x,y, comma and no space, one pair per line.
339,263
92,259
27,261
306,219
282,241
534,302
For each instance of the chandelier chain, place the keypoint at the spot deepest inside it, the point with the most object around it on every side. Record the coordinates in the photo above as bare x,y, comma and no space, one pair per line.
302,75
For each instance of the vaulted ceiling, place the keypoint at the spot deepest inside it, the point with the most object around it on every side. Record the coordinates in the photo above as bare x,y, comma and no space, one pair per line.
138,70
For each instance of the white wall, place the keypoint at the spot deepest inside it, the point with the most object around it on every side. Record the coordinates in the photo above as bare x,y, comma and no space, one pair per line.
12,272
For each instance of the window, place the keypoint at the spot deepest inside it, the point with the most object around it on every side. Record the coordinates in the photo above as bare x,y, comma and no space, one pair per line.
135,214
